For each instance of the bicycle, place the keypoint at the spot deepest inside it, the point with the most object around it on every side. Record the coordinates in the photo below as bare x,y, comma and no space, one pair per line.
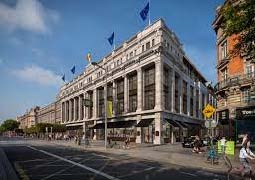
236,170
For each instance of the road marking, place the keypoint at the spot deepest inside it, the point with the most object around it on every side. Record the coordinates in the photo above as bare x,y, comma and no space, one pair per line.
190,174
77,164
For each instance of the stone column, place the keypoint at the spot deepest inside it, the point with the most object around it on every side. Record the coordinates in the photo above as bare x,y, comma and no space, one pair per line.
70,110
159,84
74,108
158,129
114,98
95,103
181,95
138,130
67,111
85,109
139,90
173,90
125,94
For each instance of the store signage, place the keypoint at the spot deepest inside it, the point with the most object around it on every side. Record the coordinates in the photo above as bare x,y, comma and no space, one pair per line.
245,113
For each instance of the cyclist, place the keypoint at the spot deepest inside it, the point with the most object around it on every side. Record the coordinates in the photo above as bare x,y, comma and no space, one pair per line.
244,155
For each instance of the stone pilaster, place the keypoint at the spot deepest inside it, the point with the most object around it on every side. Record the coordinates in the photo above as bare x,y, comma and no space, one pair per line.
173,90
114,98
139,90
74,108
95,103
158,85
70,110
125,94
158,129
181,95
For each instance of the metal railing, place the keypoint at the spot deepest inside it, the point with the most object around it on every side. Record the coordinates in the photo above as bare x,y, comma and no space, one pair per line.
235,80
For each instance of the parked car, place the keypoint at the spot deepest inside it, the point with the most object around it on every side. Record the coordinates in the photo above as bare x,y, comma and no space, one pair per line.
188,142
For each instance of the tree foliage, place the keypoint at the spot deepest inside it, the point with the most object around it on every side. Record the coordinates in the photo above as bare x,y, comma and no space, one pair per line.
239,19
9,125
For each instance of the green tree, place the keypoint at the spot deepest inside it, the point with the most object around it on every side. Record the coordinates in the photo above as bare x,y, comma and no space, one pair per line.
239,19
10,125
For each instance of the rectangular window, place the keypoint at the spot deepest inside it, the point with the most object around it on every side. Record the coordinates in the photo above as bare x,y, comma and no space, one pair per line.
224,74
152,42
149,88
249,70
132,93
90,108
177,100
191,100
224,50
166,89
100,102
142,48
246,95
197,103
147,45
120,96
184,97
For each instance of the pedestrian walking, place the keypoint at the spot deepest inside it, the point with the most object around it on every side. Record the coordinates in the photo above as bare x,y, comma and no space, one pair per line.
223,144
244,155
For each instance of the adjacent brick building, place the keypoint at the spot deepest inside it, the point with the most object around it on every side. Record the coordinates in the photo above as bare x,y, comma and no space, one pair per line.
235,88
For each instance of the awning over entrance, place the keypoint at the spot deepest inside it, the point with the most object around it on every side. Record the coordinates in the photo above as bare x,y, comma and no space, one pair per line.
173,123
117,124
144,123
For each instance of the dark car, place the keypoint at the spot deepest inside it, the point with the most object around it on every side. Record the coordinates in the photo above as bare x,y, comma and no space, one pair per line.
189,142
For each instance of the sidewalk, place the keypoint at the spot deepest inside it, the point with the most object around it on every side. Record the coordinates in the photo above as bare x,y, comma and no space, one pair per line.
168,153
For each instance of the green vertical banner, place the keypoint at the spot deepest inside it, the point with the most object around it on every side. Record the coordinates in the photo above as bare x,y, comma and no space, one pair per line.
230,149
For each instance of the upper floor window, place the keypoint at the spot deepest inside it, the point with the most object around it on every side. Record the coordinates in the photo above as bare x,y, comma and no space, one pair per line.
224,74
142,48
246,95
148,45
249,70
224,49
131,54
152,42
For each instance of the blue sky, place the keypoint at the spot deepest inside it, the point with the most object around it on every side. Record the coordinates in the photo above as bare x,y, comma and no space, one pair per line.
42,39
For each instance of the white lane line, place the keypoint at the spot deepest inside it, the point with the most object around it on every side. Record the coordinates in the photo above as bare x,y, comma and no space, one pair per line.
190,174
77,164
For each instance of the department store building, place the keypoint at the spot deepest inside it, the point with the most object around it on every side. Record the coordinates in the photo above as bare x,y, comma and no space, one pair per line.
157,93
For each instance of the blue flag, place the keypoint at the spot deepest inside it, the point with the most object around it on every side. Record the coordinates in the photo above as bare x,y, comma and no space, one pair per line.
111,38
63,78
144,12
73,70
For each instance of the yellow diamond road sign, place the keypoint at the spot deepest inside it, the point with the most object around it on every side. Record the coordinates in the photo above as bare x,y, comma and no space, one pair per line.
208,111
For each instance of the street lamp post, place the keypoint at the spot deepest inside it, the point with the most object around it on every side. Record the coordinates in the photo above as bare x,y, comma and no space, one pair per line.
105,104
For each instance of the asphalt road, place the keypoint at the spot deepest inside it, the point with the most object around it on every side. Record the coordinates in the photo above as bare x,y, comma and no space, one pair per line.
49,162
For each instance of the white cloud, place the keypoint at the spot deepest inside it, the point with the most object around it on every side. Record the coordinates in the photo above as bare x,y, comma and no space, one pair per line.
38,75
28,15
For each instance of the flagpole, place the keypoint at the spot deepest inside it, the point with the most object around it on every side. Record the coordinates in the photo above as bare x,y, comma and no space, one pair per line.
149,12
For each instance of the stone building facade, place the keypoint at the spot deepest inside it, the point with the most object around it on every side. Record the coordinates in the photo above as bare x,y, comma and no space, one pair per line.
157,93
50,113
235,88
29,118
